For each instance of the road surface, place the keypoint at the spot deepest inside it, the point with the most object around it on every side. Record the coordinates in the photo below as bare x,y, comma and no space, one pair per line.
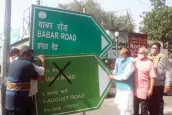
109,108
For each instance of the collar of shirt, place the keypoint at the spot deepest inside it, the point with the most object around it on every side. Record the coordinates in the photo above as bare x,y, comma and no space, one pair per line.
16,58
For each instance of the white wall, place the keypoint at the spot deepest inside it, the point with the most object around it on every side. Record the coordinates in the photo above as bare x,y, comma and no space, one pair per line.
122,41
22,44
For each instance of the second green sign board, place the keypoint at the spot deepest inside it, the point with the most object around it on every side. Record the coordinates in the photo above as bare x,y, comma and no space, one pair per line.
89,87
57,32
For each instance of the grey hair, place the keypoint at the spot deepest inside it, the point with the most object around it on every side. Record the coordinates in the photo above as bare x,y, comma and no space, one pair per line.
144,49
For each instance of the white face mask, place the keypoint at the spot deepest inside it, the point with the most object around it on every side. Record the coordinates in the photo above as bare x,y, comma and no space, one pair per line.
141,56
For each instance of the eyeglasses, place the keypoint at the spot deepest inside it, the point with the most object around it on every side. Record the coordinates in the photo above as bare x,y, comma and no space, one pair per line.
154,48
141,53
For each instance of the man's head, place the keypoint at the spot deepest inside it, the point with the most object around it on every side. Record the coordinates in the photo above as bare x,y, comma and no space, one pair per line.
155,48
14,53
142,53
27,53
124,52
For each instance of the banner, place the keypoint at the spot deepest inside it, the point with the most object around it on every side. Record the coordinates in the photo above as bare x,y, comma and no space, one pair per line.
135,41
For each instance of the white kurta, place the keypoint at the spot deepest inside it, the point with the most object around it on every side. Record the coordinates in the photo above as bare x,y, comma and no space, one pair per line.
124,95
33,83
124,101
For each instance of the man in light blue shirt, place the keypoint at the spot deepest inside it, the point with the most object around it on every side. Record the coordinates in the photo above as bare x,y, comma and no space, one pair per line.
124,76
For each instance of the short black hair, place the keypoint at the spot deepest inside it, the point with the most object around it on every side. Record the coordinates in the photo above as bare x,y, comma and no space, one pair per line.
127,51
25,50
14,51
33,60
157,44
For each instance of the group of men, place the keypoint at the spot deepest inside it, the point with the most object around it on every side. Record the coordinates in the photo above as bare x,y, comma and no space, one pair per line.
142,81
22,82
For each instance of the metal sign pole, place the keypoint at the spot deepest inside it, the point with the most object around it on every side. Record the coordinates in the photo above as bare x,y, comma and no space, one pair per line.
116,47
6,52
84,113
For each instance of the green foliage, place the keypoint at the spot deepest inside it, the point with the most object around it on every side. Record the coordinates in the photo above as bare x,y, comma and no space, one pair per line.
123,23
157,24
157,3
107,19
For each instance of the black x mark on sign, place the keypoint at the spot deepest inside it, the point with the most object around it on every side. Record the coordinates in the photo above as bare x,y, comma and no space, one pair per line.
61,72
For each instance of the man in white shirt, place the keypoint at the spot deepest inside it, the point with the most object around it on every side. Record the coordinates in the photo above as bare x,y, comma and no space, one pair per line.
41,71
33,87
14,54
124,75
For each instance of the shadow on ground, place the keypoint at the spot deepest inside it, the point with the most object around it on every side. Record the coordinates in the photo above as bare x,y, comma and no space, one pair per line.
168,113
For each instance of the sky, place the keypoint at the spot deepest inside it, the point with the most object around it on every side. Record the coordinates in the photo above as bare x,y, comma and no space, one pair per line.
135,8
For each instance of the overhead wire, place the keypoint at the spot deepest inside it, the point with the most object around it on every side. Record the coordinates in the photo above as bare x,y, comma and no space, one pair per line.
143,3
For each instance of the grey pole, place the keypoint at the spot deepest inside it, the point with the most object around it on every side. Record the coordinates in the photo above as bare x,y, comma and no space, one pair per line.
84,11
38,2
117,47
84,113
6,52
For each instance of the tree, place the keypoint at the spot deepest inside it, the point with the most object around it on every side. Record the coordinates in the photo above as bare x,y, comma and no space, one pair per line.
124,23
157,24
107,19
158,3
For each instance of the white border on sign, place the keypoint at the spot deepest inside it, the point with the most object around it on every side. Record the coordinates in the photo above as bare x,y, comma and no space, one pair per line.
33,26
105,92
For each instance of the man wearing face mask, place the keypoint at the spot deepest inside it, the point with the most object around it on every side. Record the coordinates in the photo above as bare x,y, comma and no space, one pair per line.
33,86
162,83
144,78
123,74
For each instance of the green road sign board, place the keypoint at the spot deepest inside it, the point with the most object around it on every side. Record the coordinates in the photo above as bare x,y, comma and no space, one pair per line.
89,87
56,32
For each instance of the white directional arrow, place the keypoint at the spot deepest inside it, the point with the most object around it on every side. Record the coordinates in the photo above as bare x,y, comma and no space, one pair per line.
78,34
90,85
104,42
103,80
